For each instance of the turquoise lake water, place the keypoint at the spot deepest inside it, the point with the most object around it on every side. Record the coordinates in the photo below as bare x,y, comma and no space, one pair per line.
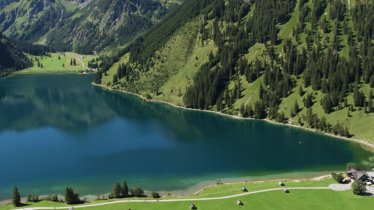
58,131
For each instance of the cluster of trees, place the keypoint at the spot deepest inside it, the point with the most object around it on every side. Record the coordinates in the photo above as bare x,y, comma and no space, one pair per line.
266,16
323,68
72,197
123,191
11,58
321,124
53,198
94,63
122,72
120,191
145,46
32,198
33,49
39,64
73,62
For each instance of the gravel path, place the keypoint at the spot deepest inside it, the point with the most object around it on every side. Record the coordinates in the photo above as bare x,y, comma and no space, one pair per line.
340,187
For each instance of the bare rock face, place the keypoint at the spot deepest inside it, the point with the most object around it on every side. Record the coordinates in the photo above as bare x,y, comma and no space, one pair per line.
84,26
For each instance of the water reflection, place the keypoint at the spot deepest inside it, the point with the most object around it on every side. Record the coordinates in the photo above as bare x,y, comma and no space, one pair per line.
72,133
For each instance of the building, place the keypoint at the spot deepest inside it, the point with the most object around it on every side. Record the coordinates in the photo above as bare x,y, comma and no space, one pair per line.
358,175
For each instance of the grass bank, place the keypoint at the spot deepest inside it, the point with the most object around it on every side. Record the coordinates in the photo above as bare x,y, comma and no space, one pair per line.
304,194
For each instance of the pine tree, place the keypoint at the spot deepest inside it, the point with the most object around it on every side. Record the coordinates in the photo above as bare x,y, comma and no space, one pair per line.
71,197
125,190
301,90
370,101
117,190
296,109
16,198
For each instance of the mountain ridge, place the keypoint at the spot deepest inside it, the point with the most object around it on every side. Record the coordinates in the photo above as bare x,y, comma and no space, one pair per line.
82,26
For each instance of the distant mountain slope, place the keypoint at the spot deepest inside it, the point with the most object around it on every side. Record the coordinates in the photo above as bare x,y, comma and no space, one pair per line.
305,62
84,25
11,58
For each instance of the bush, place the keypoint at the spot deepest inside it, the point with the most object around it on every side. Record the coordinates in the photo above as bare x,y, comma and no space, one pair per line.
156,195
337,177
358,188
32,198
137,192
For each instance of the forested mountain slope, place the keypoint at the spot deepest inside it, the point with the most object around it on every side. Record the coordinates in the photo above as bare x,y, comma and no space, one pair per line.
305,62
11,58
80,25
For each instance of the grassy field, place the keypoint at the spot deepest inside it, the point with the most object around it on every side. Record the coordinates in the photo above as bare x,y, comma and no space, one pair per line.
296,199
58,63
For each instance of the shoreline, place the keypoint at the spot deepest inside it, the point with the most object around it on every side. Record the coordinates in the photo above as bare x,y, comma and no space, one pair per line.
364,143
196,189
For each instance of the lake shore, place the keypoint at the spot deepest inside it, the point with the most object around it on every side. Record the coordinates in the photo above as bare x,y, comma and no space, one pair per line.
196,189
365,143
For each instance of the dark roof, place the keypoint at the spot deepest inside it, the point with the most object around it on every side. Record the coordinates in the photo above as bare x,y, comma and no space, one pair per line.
357,174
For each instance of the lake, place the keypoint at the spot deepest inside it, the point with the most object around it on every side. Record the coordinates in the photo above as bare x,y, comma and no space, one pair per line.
59,130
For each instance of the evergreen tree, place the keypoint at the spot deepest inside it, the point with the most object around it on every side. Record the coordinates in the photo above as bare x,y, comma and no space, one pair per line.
259,110
358,97
125,190
308,100
370,101
71,197
295,109
117,190
16,198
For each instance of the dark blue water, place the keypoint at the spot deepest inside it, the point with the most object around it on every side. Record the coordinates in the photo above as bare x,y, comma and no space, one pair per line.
58,131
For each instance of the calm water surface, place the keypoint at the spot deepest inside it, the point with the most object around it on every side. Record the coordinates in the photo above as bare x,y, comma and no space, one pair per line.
58,131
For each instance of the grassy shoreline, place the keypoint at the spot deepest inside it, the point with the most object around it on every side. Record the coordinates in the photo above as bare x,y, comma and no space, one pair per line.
364,143
208,191
304,194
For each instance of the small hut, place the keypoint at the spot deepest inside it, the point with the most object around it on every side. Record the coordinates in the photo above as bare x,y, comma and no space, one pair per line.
193,207
285,190
239,203
281,184
244,189
358,175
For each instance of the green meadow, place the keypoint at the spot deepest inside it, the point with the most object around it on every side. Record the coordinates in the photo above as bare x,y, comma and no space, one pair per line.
276,199
58,63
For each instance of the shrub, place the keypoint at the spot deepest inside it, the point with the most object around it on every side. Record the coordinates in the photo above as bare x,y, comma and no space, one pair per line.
358,188
156,195
137,192
32,198
337,177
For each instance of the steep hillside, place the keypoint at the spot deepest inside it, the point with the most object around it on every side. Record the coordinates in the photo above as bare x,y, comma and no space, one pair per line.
84,25
11,58
303,62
